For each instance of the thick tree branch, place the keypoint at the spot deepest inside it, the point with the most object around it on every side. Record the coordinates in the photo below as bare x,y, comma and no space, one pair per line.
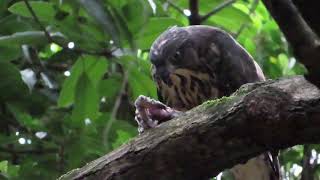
310,13
217,135
305,43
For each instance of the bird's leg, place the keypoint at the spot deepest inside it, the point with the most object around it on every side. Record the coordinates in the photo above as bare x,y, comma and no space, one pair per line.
150,113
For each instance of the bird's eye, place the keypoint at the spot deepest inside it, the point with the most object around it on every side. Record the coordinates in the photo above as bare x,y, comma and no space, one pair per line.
177,55
176,58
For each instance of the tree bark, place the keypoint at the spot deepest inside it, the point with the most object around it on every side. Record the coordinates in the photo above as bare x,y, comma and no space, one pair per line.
217,134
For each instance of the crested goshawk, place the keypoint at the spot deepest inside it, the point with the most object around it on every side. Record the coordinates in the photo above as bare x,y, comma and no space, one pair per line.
194,64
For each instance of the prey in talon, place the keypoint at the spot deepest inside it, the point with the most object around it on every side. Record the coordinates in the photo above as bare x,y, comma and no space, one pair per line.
150,113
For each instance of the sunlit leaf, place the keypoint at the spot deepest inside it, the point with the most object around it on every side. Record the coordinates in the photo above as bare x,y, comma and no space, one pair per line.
152,29
4,166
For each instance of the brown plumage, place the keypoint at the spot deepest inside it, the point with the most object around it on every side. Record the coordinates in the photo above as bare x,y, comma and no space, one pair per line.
193,64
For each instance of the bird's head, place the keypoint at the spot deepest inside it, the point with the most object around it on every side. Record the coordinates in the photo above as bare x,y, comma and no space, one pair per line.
179,61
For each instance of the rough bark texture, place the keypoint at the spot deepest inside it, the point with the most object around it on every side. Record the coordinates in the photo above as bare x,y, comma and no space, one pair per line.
217,135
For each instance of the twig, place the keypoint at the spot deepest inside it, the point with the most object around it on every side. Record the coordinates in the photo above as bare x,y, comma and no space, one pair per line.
29,151
308,167
174,6
217,9
244,25
115,109
194,18
106,53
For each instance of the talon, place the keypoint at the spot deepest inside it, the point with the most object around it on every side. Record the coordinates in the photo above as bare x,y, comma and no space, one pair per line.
149,113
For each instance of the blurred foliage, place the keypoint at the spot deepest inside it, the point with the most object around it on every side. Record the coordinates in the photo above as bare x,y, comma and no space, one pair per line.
68,99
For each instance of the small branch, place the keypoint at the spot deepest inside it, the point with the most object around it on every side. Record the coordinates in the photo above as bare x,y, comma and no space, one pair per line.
218,9
194,18
106,131
244,25
308,167
35,17
106,53
29,151
174,6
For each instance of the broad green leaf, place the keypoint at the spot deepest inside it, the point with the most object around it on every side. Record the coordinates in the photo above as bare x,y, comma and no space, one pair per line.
28,37
136,14
152,29
43,10
3,166
11,86
86,103
8,53
109,88
102,16
95,68
141,84
12,23
230,19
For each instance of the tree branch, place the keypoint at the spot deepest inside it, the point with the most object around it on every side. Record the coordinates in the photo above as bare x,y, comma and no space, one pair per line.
308,167
29,151
304,42
218,9
174,6
217,135
115,109
310,13
194,18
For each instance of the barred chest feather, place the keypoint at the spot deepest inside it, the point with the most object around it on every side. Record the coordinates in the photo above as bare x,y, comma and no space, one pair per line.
187,89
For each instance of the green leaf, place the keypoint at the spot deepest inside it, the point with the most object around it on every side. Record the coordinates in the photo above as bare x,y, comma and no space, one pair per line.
28,37
152,29
43,10
86,103
3,166
109,88
141,84
95,67
23,117
11,86
13,23
136,14
102,16
122,137
8,53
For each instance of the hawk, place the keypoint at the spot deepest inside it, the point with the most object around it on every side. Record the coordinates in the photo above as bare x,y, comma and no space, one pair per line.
194,64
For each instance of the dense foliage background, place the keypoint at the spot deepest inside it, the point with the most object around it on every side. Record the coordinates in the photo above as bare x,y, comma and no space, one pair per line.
71,69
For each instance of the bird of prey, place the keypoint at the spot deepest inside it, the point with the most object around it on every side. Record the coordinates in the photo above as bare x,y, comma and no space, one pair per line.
194,64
